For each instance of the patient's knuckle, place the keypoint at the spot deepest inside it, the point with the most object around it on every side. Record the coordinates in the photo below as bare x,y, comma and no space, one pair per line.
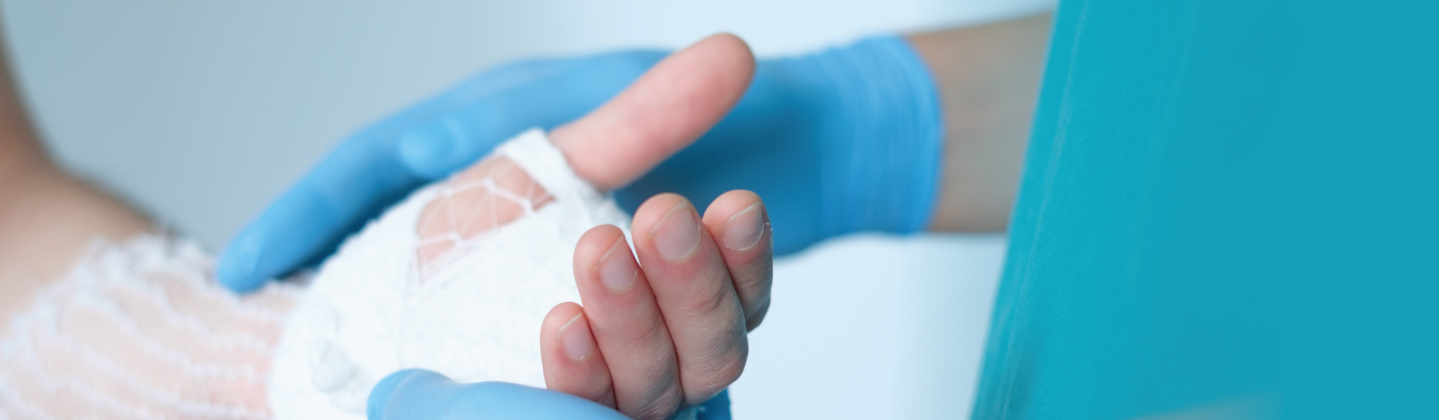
703,383
720,361
657,399
710,292
754,287
755,317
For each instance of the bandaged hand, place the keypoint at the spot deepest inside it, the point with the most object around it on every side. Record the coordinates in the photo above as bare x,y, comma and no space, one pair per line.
837,141
662,328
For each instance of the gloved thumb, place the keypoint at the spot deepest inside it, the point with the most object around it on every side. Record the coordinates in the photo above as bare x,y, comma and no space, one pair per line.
422,394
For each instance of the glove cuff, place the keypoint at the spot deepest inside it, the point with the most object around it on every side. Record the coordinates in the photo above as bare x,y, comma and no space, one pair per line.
880,159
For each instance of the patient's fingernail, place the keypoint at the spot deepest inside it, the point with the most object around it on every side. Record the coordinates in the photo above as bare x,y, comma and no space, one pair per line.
743,230
617,268
677,236
575,338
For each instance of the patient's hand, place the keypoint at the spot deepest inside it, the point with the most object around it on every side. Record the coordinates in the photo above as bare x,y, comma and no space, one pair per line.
667,331
671,330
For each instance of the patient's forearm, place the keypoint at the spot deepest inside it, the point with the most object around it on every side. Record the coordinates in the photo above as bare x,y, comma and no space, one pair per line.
988,80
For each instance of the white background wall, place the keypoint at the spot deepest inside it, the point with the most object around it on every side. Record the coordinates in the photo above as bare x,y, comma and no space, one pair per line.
202,112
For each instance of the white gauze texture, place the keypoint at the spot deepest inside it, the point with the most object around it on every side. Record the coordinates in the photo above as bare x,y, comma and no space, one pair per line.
467,302
140,329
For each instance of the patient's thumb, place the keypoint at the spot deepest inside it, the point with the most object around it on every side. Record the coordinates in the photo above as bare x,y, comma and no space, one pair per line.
669,107
422,394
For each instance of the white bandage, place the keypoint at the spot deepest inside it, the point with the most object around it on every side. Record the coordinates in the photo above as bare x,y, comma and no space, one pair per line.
473,314
141,330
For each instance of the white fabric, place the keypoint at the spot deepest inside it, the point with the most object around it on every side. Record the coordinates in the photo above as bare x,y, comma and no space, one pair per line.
141,330
473,314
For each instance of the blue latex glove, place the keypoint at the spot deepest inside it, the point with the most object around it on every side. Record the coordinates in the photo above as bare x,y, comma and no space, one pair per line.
381,164
839,141
422,394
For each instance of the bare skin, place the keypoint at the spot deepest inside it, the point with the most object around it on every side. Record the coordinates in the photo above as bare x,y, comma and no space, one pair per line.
665,328
670,321
988,77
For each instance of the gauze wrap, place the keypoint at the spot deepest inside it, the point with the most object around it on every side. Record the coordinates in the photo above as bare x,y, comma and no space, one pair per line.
474,314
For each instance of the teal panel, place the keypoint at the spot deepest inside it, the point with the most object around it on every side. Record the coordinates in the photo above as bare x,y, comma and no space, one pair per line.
1226,205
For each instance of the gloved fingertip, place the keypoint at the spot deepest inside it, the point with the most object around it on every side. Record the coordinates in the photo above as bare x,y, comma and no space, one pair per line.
395,387
428,150
236,269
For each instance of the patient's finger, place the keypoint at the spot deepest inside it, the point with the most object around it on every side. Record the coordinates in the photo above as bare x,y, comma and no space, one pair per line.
665,110
573,362
657,365
740,225
693,288
627,324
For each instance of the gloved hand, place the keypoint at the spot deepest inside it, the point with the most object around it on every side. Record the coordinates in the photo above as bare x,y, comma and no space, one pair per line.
663,328
422,394
838,141
381,164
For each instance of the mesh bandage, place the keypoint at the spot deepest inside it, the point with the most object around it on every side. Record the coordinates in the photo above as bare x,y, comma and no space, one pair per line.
141,330
457,279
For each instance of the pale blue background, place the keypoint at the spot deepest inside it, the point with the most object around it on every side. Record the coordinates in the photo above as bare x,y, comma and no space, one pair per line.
201,113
